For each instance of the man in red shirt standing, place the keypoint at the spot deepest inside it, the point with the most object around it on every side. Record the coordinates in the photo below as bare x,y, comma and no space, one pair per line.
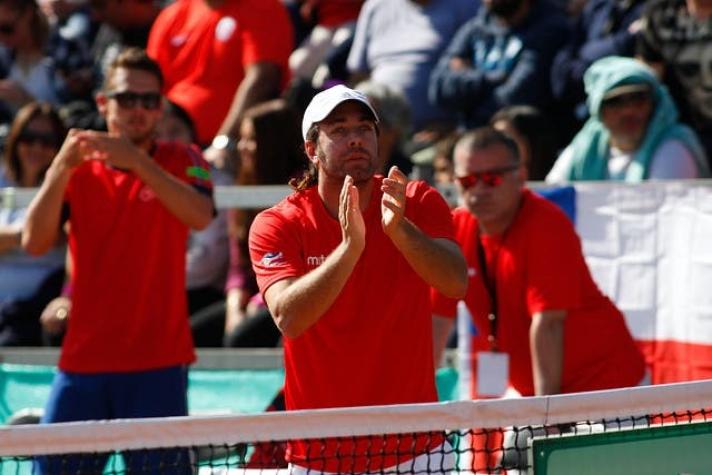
129,202
344,264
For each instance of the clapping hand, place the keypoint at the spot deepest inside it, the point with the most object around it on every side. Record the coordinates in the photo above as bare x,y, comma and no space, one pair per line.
393,201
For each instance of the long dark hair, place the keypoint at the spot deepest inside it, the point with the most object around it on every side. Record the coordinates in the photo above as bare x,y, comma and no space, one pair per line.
279,158
539,133
26,114
39,25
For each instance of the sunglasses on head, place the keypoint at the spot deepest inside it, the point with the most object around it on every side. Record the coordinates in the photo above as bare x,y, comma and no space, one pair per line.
493,177
48,140
131,100
631,98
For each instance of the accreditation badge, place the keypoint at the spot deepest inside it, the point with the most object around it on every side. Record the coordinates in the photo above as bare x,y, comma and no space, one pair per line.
492,373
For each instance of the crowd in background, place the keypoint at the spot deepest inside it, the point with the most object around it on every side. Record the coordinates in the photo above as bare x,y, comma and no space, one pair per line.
559,77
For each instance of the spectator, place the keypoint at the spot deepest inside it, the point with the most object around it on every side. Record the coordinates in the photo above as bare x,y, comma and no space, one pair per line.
221,57
27,283
28,65
344,235
335,22
130,202
633,133
397,44
124,23
499,58
270,154
604,28
534,135
443,173
549,328
675,42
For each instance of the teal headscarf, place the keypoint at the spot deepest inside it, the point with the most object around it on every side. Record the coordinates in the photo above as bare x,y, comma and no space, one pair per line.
590,147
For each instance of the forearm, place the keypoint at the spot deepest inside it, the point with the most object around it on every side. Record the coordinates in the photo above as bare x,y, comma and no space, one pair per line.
194,209
439,262
42,223
261,83
547,351
298,304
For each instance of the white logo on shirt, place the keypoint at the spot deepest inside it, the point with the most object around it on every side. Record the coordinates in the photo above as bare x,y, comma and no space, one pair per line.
146,193
178,40
471,272
315,261
225,28
272,259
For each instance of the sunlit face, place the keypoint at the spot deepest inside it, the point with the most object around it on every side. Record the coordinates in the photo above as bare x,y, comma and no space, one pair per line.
37,145
626,117
347,145
137,122
490,203
247,146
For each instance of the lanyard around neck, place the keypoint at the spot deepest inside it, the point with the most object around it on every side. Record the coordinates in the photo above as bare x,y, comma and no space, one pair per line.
490,281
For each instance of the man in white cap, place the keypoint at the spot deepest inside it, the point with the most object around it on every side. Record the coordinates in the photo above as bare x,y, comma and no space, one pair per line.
344,264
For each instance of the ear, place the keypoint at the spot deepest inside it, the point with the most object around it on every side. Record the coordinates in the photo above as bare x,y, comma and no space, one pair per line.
310,149
523,173
101,103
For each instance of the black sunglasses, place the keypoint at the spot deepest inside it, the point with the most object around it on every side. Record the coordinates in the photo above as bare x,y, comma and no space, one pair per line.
29,137
631,98
130,100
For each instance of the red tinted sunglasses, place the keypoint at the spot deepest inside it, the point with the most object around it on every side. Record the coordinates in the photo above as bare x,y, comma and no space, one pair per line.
492,177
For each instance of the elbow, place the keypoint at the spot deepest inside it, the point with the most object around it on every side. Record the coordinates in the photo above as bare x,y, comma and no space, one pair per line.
456,289
203,217
34,246
457,284
288,327
34,243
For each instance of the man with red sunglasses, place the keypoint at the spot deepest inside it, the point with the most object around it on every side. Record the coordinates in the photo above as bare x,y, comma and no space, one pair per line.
543,325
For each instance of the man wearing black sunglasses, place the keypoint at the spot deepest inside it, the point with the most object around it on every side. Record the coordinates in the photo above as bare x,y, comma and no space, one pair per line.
129,202
543,325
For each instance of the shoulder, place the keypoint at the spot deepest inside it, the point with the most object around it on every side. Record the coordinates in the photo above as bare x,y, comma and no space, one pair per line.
543,215
673,160
291,209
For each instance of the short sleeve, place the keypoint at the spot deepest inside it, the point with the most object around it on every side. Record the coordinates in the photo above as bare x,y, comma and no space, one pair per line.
197,171
428,210
554,265
274,249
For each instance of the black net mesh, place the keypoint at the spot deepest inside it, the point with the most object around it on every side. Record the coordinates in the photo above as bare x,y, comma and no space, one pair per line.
480,450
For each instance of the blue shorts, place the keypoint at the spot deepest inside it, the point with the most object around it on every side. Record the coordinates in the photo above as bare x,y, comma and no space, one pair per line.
81,397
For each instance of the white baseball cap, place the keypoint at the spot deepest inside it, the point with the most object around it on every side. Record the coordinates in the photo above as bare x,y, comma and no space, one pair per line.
326,101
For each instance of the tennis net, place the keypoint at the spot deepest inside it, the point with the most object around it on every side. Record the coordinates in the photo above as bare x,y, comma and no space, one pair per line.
484,436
